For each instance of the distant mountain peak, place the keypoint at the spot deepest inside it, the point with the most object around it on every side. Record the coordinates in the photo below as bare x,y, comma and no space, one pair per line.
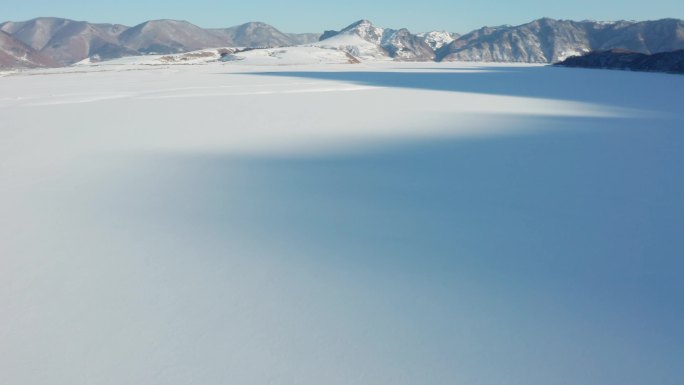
166,21
362,22
366,30
258,24
437,39
377,42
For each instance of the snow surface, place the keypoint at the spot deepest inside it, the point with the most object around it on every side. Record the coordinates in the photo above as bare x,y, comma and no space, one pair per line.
374,223
436,39
566,54
297,55
354,45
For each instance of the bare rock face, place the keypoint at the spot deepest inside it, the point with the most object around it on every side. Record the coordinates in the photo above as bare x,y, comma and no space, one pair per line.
402,45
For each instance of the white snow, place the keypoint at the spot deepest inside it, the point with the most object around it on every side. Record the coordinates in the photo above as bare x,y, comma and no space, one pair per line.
378,223
367,31
295,56
354,45
566,54
437,39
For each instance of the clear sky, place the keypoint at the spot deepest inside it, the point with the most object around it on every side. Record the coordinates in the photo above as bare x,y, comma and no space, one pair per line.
316,16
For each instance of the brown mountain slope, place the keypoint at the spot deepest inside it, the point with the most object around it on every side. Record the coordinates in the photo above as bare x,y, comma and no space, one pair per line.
15,54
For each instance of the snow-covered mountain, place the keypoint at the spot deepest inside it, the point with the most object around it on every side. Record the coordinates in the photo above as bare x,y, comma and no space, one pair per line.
364,39
547,40
437,39
355,45
16,54
403,45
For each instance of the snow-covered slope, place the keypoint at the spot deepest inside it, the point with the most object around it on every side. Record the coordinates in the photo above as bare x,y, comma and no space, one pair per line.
385,223
437,39
203,56
356,46
297,55
293,56
367,31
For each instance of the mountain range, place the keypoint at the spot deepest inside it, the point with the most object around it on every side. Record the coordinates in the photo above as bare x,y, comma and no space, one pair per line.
47,42
50,41
548,40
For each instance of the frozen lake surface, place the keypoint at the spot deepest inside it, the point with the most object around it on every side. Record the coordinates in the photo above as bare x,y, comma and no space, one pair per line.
378,223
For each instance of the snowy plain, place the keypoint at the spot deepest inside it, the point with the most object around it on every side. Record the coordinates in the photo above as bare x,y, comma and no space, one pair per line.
376,223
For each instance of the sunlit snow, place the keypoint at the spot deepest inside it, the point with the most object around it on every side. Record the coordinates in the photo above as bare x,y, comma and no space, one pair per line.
277,221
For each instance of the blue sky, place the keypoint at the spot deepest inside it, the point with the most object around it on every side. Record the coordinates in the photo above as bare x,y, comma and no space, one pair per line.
315,16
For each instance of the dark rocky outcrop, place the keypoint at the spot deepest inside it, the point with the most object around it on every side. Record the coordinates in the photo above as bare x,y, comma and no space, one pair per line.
672,62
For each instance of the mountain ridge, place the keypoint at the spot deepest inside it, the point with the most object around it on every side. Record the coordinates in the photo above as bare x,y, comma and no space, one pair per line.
548,40
68,41
545,40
